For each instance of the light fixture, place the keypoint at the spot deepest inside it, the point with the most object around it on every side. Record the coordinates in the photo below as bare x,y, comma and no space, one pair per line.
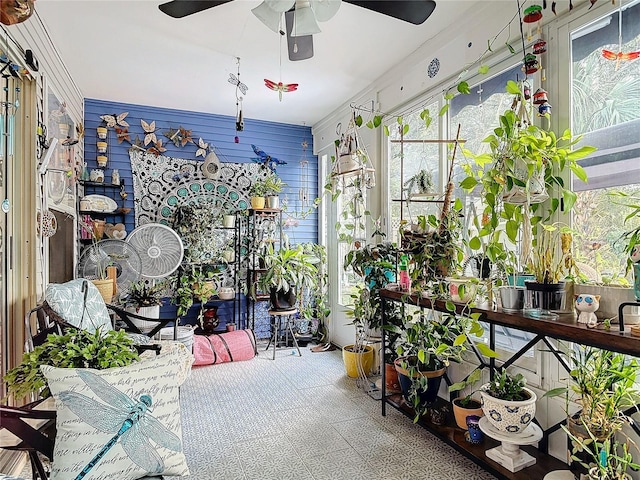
304,22
307,14
268,16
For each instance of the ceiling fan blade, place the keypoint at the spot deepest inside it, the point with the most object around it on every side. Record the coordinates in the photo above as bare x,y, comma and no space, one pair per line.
412,11
182,8
301,47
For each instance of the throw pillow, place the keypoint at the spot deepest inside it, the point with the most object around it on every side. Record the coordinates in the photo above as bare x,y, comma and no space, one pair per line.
120,422
80,304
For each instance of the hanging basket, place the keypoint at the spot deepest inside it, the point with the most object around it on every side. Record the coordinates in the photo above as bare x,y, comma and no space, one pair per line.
535,189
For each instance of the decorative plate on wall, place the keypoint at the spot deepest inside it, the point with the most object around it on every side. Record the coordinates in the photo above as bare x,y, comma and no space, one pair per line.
100,203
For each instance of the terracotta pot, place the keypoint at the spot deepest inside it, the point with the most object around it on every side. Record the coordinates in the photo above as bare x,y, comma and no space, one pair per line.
392,384
461,413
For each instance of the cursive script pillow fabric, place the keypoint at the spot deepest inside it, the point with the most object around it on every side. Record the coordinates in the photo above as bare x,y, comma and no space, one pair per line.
120,422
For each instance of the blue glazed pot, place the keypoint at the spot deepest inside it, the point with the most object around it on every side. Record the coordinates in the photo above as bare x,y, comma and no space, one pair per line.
434,378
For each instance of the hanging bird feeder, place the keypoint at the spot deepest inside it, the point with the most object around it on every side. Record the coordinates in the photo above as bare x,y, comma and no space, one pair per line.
540,96
531,64
539,47
532,14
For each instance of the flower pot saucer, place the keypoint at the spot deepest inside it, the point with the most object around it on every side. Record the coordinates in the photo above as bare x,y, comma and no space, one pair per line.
508,454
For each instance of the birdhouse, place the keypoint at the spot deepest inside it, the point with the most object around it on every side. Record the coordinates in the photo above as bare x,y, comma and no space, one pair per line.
540,96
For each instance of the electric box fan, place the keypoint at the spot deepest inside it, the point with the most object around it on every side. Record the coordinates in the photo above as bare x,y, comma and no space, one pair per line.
95,259
159,247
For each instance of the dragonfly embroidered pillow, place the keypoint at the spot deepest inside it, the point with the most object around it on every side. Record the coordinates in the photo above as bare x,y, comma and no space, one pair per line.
120,423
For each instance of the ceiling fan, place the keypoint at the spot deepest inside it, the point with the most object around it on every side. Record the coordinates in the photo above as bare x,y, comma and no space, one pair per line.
301,16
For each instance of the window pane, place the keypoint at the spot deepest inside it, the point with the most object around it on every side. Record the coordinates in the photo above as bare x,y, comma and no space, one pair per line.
605,96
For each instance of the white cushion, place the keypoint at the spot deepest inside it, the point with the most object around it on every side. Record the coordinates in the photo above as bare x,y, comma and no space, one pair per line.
92,406
68,301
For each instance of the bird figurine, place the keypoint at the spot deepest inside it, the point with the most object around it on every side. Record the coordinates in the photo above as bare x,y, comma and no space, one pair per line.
266,160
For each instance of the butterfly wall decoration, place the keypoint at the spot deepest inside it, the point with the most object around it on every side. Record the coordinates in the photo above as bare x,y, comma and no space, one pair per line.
113,120
157,148
149,132
184,136
122,134
266,160
203,147
280,87
235,80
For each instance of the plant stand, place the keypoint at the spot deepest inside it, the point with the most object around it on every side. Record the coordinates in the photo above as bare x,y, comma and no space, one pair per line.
508,454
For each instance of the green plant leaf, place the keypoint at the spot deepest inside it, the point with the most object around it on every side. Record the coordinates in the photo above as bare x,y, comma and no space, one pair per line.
449,95
569,198
513,88
486,351
386,130
475,243
460,340
377,121
463,87
369,124
358,121
405,129
511,49
483,69
468,183
443,110
512,230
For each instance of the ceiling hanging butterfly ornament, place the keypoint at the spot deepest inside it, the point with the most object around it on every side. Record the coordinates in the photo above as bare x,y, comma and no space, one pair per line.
235,80
620,56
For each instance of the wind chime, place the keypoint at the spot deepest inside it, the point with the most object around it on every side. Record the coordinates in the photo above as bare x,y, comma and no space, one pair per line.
240,87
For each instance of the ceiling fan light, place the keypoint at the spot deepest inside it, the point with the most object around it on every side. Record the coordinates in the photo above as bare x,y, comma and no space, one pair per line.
325,9
280,5
268,16
304,22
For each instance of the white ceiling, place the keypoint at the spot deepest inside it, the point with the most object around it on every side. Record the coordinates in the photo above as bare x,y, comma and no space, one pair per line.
129,51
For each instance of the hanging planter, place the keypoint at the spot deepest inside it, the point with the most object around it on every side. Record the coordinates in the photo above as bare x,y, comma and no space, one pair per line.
527,188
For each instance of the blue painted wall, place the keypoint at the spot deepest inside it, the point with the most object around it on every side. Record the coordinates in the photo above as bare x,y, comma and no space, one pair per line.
279,140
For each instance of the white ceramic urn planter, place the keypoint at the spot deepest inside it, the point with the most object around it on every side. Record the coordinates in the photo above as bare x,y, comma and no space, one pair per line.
509,416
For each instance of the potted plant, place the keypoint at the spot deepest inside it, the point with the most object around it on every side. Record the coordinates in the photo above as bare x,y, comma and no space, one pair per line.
229,218
145,300
603,384
419,184
287,272
358,357
607,459
551,262
317,309
194,284
74,349
463,406
425,351
257,192
507,403
273,185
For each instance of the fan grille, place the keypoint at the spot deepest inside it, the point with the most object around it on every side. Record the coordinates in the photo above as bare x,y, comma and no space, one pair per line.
160,248
117,253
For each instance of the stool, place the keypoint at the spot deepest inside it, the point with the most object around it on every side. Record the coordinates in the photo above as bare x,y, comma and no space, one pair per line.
276,325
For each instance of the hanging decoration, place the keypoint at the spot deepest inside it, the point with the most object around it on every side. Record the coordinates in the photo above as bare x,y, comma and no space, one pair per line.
235,80
280,87
122,134
620,56
532,14
352,158
539,47
15,11
266,160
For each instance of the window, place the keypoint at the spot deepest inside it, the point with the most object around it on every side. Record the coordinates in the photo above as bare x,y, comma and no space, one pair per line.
605,94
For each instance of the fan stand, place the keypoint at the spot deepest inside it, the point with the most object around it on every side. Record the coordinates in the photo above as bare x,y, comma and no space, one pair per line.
508,454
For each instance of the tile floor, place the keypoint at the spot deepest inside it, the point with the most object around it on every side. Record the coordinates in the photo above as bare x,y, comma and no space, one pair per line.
303,418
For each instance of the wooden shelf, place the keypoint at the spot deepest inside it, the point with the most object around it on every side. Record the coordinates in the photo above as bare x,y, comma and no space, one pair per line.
454,436
565,327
